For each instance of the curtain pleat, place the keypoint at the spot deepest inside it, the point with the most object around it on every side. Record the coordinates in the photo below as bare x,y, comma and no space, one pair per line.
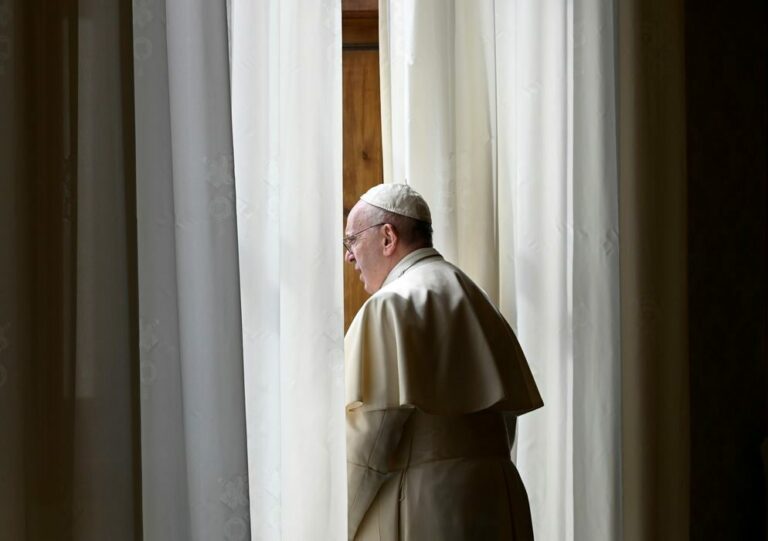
286,89
194,465
106,460
654,314
68,365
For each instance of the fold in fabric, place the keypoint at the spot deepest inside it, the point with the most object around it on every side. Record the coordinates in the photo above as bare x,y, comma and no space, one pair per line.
431,338
372,438
446,477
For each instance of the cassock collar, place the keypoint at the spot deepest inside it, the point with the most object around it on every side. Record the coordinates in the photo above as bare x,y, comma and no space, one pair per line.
409,261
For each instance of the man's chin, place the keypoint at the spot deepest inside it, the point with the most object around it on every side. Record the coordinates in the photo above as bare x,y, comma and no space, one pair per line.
370,289
368,286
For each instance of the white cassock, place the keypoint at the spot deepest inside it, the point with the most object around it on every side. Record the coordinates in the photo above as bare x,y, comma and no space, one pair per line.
435,380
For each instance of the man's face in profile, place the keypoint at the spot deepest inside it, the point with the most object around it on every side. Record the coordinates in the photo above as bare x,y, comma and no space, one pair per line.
365,248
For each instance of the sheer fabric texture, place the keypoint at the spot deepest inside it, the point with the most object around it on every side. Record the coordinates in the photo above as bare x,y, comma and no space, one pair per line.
502,115
194,467
286,91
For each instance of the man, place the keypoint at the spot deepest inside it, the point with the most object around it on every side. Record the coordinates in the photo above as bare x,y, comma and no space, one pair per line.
435,376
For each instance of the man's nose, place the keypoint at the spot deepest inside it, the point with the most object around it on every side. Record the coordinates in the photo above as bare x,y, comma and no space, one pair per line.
349,257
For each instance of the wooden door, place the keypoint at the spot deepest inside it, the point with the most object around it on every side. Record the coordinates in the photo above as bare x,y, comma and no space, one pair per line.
362,122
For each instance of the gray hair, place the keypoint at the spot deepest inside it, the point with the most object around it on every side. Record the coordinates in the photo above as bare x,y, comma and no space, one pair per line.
411,231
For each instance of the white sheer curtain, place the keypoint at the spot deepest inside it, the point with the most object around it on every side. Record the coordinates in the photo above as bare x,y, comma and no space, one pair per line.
194,467
286,92
204,253
502,115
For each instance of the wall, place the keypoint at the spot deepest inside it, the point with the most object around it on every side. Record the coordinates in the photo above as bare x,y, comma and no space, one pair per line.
726,161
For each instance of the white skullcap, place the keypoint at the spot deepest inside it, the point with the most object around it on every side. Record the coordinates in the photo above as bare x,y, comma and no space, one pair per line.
400,199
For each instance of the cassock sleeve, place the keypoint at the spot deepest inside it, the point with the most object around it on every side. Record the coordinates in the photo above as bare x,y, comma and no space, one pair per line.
372,439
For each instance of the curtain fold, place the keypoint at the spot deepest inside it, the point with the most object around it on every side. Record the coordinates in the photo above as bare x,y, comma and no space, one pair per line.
502,115
654,261
286,114
194,464
68,363
105,382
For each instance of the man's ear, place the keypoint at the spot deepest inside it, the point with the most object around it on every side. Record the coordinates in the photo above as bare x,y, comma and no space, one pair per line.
390,239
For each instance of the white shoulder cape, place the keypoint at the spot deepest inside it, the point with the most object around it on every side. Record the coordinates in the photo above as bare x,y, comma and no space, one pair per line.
431,338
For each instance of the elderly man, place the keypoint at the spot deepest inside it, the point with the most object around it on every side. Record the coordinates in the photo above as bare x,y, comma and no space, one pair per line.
435,380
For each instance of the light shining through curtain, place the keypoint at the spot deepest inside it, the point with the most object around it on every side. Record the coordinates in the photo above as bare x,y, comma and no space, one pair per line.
502,115
286,115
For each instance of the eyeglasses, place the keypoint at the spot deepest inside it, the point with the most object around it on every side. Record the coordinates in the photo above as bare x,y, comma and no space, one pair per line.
350,240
